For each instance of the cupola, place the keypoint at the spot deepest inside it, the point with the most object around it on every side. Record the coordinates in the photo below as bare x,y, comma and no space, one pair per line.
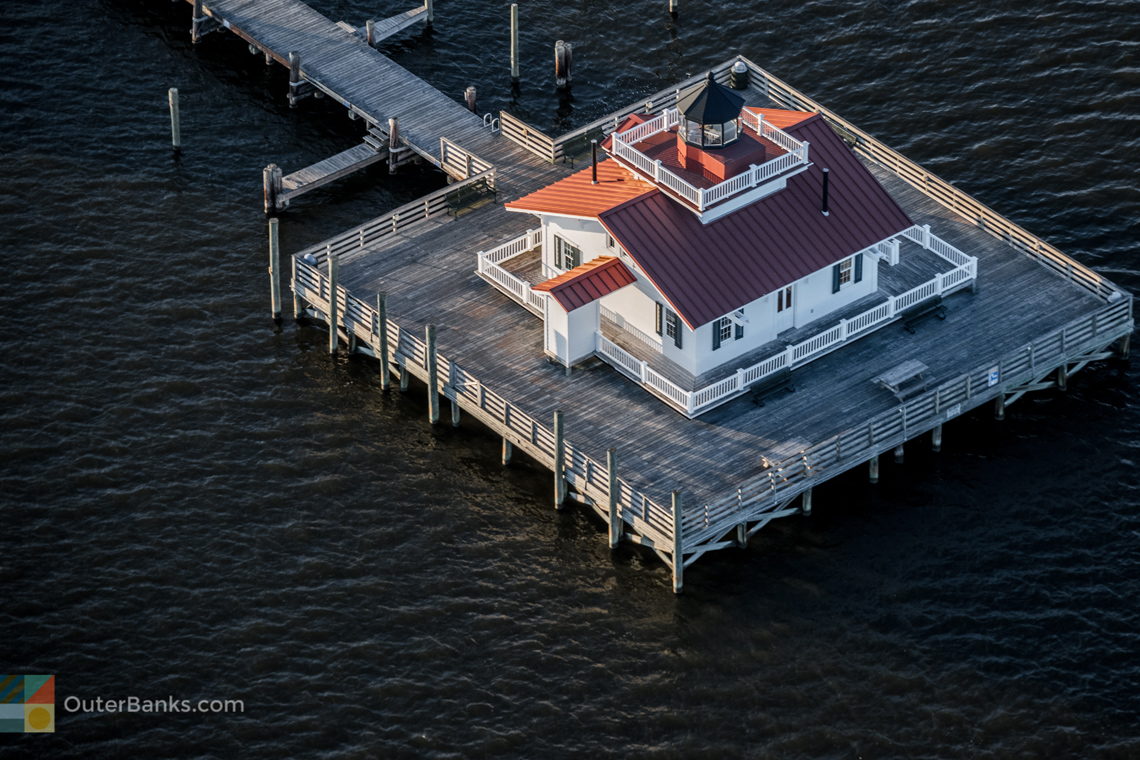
710,115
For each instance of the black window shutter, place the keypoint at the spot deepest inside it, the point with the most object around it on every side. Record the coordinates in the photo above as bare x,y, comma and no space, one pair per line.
858,267
676,330
835,279
716,334
739,332
658,322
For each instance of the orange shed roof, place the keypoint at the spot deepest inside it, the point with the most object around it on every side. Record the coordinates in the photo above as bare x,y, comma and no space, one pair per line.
780,118
576,196
587,282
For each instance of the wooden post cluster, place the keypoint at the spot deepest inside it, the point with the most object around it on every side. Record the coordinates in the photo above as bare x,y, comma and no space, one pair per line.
559,461
514,43
294,78
433,375
274,271
678,550
271,179
334,306
382,336
469,99
563,62
175,120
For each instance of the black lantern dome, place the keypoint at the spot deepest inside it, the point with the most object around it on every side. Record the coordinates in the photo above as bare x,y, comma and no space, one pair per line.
710,114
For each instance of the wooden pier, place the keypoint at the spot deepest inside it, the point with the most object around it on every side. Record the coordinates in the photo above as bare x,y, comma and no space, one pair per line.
404,288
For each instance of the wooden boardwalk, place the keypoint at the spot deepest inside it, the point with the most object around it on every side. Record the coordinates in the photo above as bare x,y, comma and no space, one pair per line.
342,65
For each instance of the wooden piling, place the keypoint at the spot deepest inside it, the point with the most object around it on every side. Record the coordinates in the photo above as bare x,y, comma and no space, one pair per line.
370,32
563,63
430,13
382,336
334,275
673,8
508,449
805,503
455,411
900,453
469,98
197,19
274,271
936,438
999,407
740,537
678,551
1063,377
271,187
514,42
559,461
612,498
873,472
1125,346
393,143
404,375
433,375
294,77
175,120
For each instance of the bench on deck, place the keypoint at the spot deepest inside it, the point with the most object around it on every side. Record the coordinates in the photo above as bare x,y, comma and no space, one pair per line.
906,380
771,385
919,312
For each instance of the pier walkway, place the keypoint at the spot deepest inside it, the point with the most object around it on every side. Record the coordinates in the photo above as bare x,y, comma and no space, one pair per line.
341,64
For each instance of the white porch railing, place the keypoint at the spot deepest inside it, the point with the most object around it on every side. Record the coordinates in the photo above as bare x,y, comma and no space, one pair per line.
692,403
702,198
513,285
620,322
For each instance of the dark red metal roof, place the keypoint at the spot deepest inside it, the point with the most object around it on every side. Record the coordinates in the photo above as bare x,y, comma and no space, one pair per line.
588,282
707,271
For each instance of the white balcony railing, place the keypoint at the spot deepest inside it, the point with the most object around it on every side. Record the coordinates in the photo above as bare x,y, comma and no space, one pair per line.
701,198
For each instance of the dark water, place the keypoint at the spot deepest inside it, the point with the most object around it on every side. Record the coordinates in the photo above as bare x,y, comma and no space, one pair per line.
195,505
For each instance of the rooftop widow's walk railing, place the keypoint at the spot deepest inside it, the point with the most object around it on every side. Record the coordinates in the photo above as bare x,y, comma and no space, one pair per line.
624,148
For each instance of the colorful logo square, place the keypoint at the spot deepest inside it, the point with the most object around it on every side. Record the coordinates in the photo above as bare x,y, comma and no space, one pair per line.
27,704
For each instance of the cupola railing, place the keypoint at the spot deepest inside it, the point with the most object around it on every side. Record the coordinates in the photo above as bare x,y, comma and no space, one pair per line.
702,198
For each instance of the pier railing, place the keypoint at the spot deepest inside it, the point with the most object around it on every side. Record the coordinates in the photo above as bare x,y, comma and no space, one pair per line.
778,482
463,164
651,522
935,187
376,230
519,132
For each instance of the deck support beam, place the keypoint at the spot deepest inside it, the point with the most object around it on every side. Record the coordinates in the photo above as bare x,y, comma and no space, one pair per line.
432,375
508,449
873,470
678,553
805,502
382,340
274,271
559,461
936,438
334,276
612,498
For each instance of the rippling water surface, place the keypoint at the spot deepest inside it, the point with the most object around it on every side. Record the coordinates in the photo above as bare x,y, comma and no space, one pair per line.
197,505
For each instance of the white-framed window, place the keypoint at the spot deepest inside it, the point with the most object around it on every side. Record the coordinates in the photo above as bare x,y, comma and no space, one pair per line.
846,272
668,324
726,328
566,255
610,241
784,298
